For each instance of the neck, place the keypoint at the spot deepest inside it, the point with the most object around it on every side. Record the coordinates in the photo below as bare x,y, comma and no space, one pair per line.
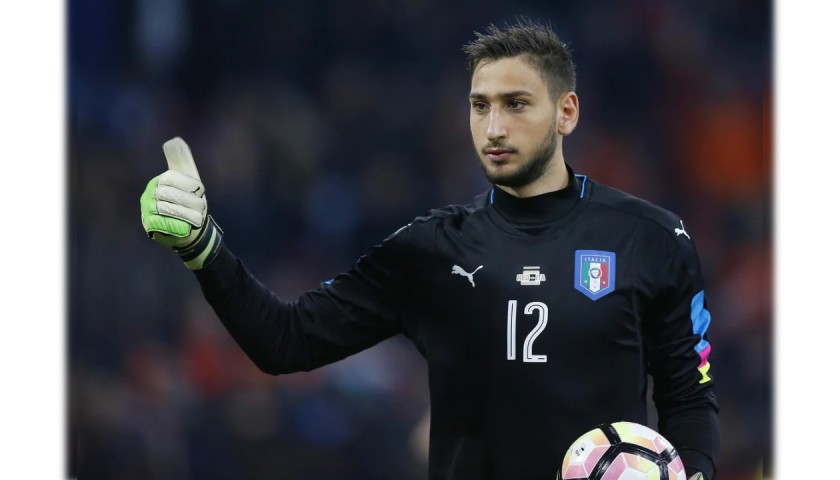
554,178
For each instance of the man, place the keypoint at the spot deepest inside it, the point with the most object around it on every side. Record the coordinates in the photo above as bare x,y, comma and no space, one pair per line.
541,306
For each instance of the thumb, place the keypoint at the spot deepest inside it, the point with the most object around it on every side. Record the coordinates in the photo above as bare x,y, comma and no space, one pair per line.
179,157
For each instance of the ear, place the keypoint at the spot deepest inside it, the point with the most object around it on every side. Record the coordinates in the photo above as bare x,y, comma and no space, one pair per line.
567,113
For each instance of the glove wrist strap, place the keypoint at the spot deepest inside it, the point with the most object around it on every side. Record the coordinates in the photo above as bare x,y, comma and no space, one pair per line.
205,248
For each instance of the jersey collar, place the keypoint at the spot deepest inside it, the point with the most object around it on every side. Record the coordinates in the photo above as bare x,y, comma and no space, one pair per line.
539,209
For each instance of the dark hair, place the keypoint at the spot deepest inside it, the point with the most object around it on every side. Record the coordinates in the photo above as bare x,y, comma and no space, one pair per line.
537,42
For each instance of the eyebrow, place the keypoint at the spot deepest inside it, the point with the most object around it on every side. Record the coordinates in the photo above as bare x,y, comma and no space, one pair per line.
503,95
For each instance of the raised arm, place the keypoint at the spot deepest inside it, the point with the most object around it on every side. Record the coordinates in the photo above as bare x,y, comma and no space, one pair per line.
343,316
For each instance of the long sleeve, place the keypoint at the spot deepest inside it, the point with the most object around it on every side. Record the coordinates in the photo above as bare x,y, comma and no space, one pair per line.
350,313
675,322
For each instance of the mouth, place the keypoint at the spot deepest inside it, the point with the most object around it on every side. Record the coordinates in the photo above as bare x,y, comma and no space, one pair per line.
498,155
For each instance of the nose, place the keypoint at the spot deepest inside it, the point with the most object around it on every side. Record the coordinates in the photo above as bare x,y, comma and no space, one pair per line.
495,128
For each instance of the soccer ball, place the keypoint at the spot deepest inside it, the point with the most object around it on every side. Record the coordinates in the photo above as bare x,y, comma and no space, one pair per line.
621,451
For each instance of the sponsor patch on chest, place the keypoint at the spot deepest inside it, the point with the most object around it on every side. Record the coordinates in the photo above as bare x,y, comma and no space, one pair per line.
594,272
530,276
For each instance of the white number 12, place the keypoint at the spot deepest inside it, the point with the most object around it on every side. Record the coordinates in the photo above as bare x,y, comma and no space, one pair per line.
542,320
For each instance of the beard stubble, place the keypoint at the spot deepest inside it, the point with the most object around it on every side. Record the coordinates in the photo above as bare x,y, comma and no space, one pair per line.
532,169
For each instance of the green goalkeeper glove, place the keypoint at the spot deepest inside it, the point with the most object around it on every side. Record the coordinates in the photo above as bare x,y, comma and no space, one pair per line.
174,211
697,476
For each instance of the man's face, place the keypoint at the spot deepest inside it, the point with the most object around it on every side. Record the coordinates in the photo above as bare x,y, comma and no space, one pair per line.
513,121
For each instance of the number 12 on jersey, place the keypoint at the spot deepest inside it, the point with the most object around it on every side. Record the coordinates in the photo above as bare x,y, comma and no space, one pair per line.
542,319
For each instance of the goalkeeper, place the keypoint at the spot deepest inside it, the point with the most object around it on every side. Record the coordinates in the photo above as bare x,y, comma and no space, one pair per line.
541,306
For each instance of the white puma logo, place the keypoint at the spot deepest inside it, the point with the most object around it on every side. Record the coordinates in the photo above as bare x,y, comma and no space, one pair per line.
460,271
681,231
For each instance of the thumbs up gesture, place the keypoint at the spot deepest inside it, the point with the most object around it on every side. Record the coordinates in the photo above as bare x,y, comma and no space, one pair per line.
174,210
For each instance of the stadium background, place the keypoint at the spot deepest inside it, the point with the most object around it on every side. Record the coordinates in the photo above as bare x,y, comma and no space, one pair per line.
319,127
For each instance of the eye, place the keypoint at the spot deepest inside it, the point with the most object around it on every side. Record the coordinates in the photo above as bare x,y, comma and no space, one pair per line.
480,107
517,104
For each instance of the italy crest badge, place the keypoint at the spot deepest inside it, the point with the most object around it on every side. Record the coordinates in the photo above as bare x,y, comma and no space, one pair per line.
594,273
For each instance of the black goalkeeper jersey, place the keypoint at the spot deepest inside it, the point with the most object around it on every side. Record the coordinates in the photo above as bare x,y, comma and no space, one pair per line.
539,318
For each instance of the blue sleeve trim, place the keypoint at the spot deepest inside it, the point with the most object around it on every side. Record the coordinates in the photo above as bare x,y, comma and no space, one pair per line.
700,319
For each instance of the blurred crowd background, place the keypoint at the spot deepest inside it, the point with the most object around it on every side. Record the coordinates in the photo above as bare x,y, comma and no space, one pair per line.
319,127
